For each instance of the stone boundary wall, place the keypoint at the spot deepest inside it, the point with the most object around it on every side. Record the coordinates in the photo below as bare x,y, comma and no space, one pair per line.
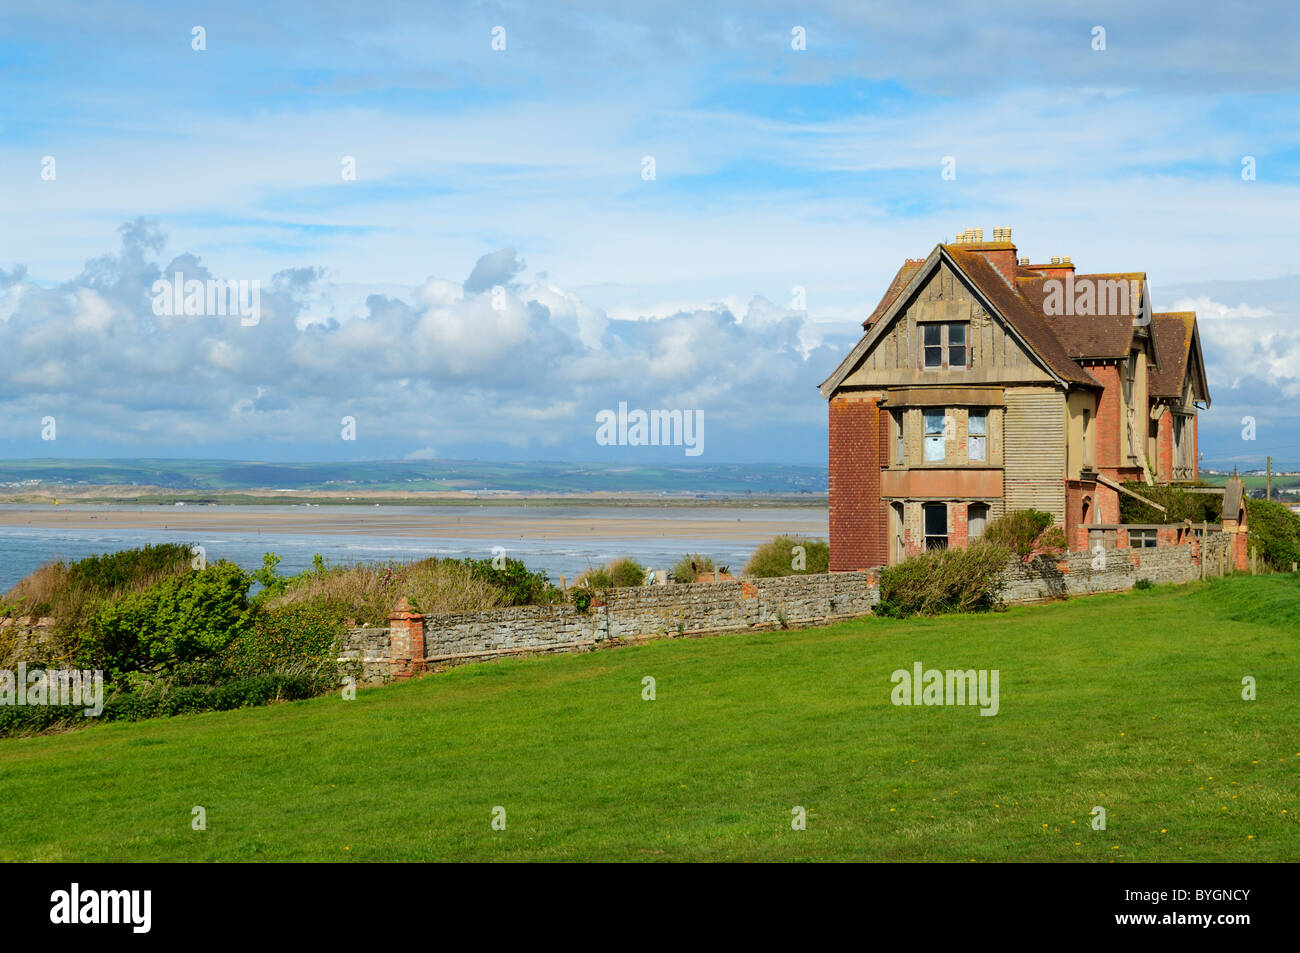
641,613
1083,573
700,608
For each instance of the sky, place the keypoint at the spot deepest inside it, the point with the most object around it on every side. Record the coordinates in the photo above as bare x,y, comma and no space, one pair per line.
475,227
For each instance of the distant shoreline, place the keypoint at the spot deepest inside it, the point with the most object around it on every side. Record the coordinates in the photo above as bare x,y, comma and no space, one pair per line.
152,496
649,520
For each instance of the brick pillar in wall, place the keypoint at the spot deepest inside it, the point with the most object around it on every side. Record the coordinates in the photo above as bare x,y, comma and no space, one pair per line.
406,640
858,523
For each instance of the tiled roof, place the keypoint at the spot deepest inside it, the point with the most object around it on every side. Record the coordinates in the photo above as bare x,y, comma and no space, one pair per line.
1025,315
1173,334
895,288
1096,336
1061,341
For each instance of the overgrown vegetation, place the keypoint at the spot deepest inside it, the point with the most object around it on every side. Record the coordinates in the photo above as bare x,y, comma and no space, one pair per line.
944,580
1026,534
1275,532
789,556
688,568
170,636
1179,504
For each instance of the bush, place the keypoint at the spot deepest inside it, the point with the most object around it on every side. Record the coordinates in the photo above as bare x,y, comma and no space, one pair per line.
1275,532
626,574
944,580
188,619
779,557
620,573
291,637
1179,505
1026,533
519,585
689,567
162,699
73,592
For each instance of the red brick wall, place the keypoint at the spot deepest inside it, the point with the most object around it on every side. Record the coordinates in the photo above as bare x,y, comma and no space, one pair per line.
1111,450
859,522
958,532
1003,260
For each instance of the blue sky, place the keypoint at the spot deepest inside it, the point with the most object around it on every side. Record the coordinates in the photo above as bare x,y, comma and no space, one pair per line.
775,168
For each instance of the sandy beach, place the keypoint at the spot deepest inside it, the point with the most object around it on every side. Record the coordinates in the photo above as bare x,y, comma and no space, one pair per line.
482,523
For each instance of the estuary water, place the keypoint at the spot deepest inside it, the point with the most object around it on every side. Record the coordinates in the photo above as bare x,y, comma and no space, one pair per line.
558,539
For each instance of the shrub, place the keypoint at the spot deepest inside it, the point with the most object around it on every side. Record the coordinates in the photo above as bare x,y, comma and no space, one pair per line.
626,574
297,636
73,592
1026,533
187,619
1275,532
519,585
779,556
689,567
1144,584
162,699
1179,505
944,580
617,574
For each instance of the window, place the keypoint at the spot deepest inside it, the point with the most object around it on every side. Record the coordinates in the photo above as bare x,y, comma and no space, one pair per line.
934,442
977,435
936,525
944,340
1142,538
898,437
1087,414
977,518
956,345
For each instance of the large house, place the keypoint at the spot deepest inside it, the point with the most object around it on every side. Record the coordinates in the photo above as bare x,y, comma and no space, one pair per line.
985,384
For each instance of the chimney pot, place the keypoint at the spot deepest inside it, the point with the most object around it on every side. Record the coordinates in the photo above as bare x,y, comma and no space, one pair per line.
979,234
1056,259
1065,260
1024,261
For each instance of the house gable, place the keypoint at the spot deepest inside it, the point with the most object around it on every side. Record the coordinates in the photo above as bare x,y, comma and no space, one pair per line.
939,291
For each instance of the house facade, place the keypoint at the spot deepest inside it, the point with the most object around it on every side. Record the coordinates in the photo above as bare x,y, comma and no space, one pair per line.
984,383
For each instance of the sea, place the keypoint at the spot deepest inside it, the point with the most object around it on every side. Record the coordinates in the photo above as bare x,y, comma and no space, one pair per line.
25,548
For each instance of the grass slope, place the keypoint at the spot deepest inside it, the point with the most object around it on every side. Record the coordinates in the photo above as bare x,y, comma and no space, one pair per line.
1131,701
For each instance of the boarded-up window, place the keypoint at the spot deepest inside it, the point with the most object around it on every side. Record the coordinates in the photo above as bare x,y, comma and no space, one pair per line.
977,518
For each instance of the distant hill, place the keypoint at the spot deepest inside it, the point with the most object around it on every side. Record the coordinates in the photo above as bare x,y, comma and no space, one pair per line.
438,476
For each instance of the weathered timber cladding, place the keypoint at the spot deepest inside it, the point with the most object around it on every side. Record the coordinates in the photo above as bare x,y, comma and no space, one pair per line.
1034,450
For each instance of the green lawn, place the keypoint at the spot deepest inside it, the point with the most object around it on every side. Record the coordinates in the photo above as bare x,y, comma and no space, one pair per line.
1132,702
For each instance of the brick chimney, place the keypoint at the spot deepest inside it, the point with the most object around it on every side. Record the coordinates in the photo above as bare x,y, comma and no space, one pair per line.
1000,252
1058,268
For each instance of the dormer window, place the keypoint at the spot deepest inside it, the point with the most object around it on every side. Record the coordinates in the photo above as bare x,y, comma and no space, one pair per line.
944,345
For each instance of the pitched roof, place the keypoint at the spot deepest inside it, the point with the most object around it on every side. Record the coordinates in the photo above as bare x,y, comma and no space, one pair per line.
1024,320
896,286
1173,334
1059,341
1095,336
1025,315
